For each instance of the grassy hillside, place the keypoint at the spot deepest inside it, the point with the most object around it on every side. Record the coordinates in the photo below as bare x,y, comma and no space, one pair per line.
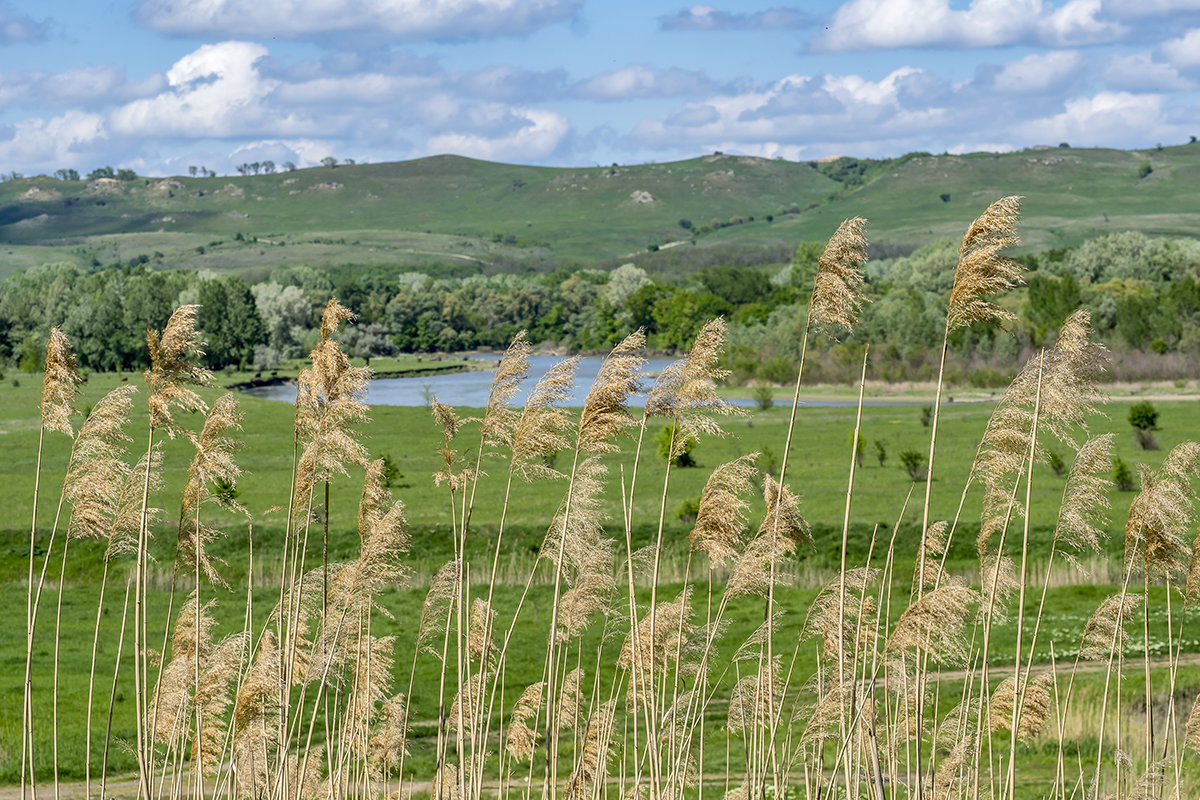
452,210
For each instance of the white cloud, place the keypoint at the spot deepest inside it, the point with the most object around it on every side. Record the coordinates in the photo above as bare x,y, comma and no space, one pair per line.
543,132
1101,120
639,80
1184,52
1037,72
1141,72
884,24
710,18
1146,8
215,91
47,144
322,19
18,28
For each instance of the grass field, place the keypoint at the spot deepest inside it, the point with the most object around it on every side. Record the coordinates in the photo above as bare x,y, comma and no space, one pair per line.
410,437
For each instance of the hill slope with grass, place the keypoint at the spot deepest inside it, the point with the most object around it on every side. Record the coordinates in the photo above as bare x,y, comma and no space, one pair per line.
448,210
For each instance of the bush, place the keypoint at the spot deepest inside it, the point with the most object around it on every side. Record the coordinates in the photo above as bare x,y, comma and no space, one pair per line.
683,447
688,510
913,462
1143,416
926,416
881,453
1122,477
764,397
1144,169
859,446
1056,463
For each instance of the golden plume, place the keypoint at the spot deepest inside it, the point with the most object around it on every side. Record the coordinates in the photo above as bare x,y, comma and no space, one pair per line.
174,366
211,465
1036,703
1105,631
837,288
605,414
541,429
1161,514
521,738
981,270
59,384
499,417
330,398
721,516
98,472
934,624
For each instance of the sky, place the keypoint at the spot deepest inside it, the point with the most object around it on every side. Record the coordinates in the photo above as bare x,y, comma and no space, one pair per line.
159,86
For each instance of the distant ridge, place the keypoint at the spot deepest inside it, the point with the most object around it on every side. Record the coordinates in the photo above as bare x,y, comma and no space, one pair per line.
453,210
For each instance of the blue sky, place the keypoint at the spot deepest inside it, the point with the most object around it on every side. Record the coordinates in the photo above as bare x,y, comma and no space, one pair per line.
161,85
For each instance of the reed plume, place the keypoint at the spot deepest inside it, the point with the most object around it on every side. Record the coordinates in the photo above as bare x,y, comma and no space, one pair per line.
981,271
60,384
1036,704
1105,631
837,294
592,764
934,624
499,417
521,737
605,414
541,428
1161,514
721,516
98,471
174,367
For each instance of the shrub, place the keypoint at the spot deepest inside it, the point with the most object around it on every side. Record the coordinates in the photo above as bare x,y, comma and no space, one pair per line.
1122,477
1056,463
859,446
1143,416
683,449
913,462
764,397
926,416
881,453
1144,169
688,510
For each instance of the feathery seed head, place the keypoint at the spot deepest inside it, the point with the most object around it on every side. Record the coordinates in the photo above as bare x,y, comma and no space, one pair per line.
1105,631
935,623
605,414
499,417
542,427
97,472
521,738
981,270
1162,512
60,384
837,289
1036,703
174,366
721,518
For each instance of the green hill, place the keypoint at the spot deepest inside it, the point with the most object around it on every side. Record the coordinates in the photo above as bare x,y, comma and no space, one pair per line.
453,210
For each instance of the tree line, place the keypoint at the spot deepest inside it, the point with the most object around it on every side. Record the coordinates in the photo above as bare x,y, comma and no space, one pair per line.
1143,293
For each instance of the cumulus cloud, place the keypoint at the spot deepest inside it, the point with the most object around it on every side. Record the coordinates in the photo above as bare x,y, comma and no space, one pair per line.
49,143
454,20
1142,72
17,28
215,91
1037,72
887,24
710,18
1102,119
80,87
540,135
1184,52
640,80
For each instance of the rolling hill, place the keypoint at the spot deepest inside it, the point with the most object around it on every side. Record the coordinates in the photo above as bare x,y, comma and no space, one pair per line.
450,210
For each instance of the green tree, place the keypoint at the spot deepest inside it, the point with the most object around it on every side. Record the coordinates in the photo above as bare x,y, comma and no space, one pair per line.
683,446
1143,416
230,322
913,463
